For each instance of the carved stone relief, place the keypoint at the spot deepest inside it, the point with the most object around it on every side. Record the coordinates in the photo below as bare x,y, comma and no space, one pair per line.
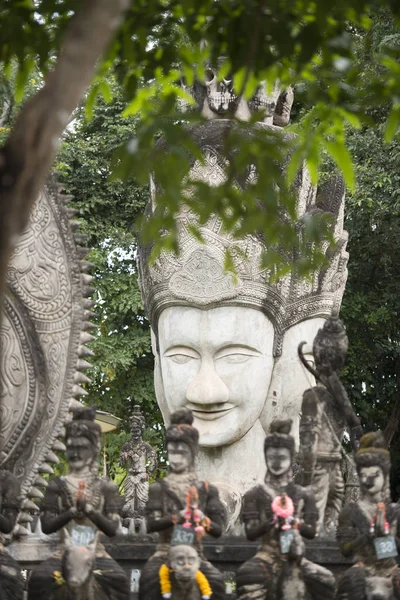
43,337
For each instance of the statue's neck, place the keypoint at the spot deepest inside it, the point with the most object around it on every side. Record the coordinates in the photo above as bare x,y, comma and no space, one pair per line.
84,473
279,482
373,498
241,464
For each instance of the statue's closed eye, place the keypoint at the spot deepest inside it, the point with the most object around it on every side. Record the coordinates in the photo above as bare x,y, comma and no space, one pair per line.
235,358
181,359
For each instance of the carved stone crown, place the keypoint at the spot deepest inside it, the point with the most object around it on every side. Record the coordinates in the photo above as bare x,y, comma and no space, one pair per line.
197,277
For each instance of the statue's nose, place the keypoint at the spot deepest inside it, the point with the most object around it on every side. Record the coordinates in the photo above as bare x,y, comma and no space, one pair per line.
207,387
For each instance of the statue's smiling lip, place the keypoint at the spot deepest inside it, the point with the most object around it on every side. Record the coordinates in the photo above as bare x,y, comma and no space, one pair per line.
211,413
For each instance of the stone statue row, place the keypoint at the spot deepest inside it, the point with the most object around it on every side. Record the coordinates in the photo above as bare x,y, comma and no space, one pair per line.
279,513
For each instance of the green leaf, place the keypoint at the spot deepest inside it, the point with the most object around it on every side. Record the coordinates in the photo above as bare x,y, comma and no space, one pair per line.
342,157
392,124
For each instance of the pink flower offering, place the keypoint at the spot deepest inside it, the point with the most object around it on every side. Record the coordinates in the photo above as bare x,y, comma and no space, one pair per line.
282,506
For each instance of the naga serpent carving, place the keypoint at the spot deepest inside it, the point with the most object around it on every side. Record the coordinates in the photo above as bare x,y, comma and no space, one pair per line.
44,330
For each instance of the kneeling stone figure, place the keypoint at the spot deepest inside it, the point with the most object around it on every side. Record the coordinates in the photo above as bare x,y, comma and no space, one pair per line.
280,513
181,498
369,530
80,505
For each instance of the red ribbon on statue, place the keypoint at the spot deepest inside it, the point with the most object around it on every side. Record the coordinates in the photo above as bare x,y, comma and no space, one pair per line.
283,508
380,508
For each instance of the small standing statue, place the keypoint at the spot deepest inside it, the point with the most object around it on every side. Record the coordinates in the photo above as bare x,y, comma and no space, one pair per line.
279,513
141,461
80,505
326,413
180,498
369,529
11,582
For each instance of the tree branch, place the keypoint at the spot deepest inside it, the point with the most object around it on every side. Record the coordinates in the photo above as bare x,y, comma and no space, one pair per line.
27,156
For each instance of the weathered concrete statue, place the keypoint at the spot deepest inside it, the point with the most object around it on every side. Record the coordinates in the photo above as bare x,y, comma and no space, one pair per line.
140,460
80,505
369,529
11,582
181,577
181,498
326,414
279,513
219,340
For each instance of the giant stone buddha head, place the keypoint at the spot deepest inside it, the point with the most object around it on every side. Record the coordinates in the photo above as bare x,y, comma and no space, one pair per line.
225,345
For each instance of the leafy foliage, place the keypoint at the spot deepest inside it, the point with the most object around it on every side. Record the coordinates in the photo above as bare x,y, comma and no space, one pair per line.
310,44
123,363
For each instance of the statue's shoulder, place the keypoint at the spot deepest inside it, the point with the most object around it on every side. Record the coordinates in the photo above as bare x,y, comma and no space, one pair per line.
258,492
209,488
393,511
349,512
158,486
108,487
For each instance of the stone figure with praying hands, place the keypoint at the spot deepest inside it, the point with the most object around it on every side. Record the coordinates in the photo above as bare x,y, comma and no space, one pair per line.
369,529
326,413
80,505
140,460
280,513
181,506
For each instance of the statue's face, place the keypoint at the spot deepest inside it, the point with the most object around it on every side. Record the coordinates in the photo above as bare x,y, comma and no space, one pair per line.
218,363
79,452
185,563
372,479
278,461
137,430
180,457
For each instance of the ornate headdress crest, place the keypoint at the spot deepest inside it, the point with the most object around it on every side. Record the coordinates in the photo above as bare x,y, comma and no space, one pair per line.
182,430
83,425
279,435
373,452
197,277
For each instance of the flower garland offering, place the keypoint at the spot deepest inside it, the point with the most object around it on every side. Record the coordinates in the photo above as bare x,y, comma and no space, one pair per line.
166,586
380,507
192,514
283,508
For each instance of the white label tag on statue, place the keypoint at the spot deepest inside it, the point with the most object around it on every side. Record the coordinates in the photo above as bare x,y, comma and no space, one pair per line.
181,535
82,535
285,539
385,547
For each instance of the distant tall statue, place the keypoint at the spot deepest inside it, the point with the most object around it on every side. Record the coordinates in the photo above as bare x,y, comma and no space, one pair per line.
182,498
226,347
369,529
326,414
279,513
80,505
140,460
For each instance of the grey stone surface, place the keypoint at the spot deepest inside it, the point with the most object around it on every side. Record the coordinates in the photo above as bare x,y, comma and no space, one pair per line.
43,337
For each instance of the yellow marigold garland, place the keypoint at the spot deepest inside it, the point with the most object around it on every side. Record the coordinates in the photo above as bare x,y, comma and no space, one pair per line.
204,586
165,581
166,587
58,578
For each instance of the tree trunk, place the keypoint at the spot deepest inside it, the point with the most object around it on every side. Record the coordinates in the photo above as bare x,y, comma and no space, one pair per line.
27,156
